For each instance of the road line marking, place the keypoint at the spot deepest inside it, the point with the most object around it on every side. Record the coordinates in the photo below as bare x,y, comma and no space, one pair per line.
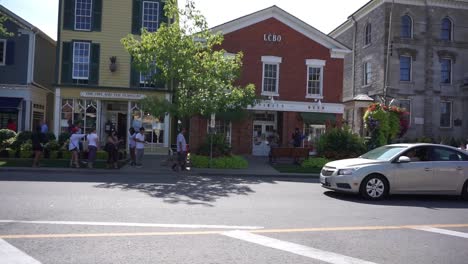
264,231
10,254
297,249
442,231
130,224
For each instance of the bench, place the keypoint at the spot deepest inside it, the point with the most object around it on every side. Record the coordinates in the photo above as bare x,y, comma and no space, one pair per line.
289,152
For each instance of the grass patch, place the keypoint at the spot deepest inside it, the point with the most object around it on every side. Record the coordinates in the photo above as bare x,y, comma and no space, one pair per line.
291,168
51,163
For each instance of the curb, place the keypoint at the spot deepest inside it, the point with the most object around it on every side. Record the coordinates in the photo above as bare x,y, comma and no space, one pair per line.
146,172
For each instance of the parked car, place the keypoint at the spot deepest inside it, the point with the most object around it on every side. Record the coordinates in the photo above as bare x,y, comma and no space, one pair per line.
400,169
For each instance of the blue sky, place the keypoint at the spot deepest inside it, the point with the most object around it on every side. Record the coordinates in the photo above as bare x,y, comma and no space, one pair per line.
323,15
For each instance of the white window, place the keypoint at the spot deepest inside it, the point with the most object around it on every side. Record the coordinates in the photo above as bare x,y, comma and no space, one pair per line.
146,79
150,16
314,78
367,78
222,127
2,51
81,60
270,81
446,71
445,114
83,14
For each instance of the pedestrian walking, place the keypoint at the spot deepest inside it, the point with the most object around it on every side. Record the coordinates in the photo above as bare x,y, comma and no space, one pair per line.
132,145
74,146
93,144
112,150
38,141
181,151
297,138
140,147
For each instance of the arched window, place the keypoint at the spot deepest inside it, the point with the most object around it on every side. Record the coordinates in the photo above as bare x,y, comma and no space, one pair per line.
368,36
406,26
446,29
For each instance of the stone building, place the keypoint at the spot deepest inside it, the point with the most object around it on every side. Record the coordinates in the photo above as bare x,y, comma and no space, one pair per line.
413,54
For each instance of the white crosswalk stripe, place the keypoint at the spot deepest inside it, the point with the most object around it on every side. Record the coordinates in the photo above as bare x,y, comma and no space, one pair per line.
11,255
442,231
301,250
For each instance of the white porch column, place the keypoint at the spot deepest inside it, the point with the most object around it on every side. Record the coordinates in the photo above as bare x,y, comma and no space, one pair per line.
28,116
57,112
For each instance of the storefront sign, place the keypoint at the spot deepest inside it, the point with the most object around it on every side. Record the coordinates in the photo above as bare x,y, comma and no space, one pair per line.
289,106
272,37
111,95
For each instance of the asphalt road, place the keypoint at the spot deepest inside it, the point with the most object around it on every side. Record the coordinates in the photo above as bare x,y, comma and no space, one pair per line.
82,218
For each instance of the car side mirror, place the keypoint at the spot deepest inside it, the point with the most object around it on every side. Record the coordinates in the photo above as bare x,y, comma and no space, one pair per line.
404,159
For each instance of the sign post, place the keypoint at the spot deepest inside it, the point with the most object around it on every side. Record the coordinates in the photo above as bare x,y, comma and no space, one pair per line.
212,126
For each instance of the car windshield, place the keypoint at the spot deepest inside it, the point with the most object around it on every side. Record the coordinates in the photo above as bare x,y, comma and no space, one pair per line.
383,153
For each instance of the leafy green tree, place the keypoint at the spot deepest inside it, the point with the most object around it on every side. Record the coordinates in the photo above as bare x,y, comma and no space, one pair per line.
3,31
185,55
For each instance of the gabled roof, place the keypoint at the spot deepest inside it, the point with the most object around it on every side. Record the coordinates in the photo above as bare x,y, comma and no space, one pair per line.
337,49
24,24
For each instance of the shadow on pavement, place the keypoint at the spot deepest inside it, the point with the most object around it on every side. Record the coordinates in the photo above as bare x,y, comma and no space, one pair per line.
434,202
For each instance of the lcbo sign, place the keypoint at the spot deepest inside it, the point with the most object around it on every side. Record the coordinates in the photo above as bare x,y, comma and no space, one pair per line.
272,37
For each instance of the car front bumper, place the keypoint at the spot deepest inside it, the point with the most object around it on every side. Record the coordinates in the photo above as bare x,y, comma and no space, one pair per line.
345,183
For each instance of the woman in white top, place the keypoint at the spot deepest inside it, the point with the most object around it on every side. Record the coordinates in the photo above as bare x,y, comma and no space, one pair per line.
74,147
93,143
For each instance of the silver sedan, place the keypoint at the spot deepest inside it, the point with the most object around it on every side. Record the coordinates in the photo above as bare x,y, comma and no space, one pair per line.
400,169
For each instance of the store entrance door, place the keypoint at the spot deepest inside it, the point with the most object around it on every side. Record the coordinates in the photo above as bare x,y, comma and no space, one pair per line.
114,116
261,131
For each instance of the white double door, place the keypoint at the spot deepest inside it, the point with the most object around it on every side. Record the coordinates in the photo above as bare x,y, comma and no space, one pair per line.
261,131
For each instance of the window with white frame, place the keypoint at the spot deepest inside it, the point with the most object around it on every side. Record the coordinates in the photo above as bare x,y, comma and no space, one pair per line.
83,14
150,15
445,114
405,68
270,79
446,71
222,127
81,61
367,78
2,51
314,78
146,79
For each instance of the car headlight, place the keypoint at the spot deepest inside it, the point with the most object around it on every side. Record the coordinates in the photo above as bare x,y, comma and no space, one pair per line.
349,171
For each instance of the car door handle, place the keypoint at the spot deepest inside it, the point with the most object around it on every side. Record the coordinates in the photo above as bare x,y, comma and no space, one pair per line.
459,168
428,169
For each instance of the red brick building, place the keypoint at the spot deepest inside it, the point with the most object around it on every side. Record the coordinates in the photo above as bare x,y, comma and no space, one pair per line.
297,71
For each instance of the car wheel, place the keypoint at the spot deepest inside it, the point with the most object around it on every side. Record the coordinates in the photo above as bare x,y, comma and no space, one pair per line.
464,193
374,187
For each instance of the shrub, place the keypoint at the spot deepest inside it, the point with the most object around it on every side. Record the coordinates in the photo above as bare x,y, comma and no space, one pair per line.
340,143
63,137
66,154
26,146
50,136
101,155
54,154
227,162
314,162
52,145
26,154
6,137
220,147
21,138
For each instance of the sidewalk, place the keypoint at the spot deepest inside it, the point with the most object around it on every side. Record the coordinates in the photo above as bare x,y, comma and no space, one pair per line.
155,164
258,167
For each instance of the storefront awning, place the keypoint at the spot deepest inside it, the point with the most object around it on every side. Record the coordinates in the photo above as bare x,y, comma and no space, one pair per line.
318,118
9,104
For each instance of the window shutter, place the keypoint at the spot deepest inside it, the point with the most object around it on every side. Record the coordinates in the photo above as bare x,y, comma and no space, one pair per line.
69,14
67,64
134,76
94,67
162,16
10,52
136,19
97,14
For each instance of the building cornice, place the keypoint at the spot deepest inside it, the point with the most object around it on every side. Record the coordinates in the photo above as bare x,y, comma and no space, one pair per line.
373,4
336,48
